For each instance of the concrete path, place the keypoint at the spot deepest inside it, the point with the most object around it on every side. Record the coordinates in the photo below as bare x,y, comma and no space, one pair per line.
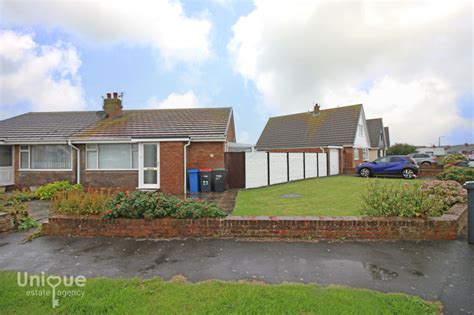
442,270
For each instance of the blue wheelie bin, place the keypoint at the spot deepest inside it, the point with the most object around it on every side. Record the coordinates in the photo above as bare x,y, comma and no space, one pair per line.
193,175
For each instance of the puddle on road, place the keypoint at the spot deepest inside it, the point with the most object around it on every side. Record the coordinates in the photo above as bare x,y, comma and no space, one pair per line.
380,273
416,273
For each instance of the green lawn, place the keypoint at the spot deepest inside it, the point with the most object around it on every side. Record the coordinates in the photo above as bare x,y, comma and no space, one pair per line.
333,196
135,296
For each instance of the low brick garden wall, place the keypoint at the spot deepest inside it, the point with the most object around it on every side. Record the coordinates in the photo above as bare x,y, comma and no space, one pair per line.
5,222
446,227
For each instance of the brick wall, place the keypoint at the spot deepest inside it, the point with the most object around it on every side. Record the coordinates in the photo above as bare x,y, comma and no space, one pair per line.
199,155
446,227
231,132
171,166
6,223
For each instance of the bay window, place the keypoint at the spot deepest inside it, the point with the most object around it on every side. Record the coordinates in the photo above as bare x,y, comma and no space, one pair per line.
120,156
45,157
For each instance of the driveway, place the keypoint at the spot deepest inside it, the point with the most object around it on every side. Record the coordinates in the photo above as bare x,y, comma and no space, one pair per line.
441,270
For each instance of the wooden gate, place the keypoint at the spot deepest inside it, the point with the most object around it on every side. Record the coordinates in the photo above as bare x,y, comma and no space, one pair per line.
235,166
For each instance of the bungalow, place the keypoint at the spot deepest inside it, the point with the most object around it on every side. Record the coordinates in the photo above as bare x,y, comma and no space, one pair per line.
377,137
144,149
341,131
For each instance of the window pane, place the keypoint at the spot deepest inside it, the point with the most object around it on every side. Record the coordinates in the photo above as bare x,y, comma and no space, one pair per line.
150,177
91,146
134,159
150,155
114,156
50,157
5,155
135,146
24,147
91,160
24,160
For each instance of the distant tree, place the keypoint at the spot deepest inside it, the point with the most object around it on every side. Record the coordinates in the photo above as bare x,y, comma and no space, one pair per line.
401,149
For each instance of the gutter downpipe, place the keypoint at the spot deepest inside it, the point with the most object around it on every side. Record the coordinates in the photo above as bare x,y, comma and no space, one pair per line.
78,161
184,166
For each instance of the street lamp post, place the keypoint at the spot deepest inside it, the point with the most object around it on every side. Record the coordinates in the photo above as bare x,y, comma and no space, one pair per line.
439,140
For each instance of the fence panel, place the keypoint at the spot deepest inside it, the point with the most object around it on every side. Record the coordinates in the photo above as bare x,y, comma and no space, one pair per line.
296,166
278,168
256,169
311,168
323,165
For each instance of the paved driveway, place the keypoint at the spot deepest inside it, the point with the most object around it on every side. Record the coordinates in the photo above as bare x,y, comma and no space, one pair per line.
442,270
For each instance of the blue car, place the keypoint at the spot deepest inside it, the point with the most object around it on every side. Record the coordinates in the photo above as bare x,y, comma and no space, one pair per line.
397,165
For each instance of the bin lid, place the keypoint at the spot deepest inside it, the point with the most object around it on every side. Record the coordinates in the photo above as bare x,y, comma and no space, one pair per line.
193,170
206,169
219,169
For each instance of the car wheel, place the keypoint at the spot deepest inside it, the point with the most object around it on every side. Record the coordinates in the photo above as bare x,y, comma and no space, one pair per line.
426,163
364,172
408,173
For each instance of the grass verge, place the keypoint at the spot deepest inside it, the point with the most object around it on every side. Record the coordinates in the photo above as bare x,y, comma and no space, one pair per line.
155,296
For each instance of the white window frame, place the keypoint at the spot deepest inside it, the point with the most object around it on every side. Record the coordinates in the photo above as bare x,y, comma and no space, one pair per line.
361,129
356,153
365,154
88,149
29,169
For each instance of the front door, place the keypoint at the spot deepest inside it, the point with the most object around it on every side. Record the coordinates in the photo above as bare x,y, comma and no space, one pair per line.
6,165
149,165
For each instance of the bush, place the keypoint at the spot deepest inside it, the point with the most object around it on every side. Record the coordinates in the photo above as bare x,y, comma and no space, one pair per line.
47,192
453,158
432,198
20,196
401,149
458,174
79,202
149,205
26,223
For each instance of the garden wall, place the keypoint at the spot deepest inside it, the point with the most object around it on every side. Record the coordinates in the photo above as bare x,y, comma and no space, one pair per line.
5,222
446,227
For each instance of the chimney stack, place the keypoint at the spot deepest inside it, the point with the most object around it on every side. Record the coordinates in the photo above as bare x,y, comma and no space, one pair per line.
113,104
316,109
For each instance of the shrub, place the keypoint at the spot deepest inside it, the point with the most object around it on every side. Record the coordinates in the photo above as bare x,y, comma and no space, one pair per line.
21,196
47,192
401,149
79,202
458,174
149,205
26,223
452,158
432,198
17,210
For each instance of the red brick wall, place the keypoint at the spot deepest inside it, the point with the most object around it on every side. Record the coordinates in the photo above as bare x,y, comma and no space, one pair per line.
171,167
199,155
38,178
6,223
231,132
446,227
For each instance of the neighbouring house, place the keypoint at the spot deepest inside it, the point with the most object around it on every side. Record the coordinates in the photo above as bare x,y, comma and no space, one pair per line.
466,149
144,149
377,138
433,150
341,132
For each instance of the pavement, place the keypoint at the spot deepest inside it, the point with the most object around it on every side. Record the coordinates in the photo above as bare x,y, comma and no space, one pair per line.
433,270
